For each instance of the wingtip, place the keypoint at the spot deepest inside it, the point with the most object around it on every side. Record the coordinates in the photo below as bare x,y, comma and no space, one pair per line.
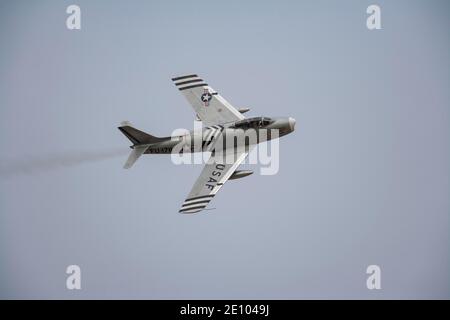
188,212
184,76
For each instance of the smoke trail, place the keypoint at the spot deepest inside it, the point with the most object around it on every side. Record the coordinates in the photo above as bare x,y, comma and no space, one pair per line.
30,165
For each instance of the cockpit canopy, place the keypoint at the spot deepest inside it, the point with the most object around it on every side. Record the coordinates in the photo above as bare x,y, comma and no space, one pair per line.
256,122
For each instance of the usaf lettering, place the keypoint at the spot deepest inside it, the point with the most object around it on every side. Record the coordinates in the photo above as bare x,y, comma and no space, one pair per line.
215,173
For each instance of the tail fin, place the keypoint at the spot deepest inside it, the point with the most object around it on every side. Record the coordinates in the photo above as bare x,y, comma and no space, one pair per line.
136,136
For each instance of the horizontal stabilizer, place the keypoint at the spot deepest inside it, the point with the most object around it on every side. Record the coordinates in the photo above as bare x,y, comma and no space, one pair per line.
134,155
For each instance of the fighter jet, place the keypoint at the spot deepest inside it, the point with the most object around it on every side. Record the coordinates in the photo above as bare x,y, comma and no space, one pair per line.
220,120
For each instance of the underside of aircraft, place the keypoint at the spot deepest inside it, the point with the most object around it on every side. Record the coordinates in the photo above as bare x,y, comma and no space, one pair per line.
226,133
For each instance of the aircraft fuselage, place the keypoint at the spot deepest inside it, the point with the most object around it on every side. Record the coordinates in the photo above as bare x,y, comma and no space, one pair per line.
220,137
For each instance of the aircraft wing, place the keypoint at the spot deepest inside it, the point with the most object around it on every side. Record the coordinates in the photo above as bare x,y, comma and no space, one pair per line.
210,107
215,173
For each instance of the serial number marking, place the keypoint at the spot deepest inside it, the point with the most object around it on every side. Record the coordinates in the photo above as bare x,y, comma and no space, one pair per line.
160,150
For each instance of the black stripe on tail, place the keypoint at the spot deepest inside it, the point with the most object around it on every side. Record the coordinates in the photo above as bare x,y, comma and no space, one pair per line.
139,137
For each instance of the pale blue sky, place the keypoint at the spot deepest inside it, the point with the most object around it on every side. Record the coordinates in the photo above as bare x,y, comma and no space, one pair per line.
363,180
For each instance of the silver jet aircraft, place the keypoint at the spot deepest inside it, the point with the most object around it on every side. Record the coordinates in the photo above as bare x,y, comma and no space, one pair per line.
220,122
